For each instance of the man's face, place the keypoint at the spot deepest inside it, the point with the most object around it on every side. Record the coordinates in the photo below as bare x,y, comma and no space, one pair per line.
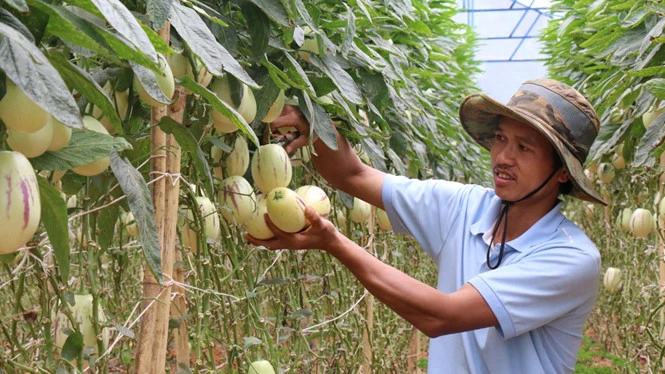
522,158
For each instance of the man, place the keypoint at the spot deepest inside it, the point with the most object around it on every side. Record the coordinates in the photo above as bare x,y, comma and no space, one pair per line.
517,280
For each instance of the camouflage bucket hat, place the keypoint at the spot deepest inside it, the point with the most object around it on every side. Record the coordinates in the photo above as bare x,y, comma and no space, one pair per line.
556,110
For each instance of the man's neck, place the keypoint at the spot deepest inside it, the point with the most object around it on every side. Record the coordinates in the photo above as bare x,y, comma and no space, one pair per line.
523,215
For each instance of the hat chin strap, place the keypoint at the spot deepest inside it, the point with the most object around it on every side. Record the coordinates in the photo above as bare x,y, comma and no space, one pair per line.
503,217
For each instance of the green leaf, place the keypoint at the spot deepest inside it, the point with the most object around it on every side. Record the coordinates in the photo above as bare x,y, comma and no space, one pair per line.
647,72
73,346
266,96
28,68
374,152
54,219
301,313
9,257
188,144
608,136
141,206
279,77
219,143
300,7
259,28
124,331
222,107
106,221
124,22
418,26
273,9
7,18
156,40
91,34
148,80
251,341
202,42
68,26
349,32
652,138
158,11
344,82
79,80
635,16
656,87
298,75
320,122
19,5
85,146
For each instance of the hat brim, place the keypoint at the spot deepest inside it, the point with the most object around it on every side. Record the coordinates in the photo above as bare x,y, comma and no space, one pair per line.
480,114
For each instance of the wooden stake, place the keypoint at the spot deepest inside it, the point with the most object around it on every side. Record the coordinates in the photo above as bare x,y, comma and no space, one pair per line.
170,234
366,365
145,360
168,254
178,310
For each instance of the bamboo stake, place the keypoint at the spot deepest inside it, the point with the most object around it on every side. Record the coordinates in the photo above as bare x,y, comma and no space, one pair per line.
145,362
168,254
170,222
414,352
151,288
178,310
661,263
366,365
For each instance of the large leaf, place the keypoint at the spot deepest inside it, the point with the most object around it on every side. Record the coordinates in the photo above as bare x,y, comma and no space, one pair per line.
106,221
78,79
300,7
652,138
149,82
297,73
30,70
9,19
84,147
188,144
158,11
202,42
89,34
54,219
259,28
73,346
19,5
349,32
69,27
656,87
140,204
124,22
273,9
321,124
222,107
266,96
344,82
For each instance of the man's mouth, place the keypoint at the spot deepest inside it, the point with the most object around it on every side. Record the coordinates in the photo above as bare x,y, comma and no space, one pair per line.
503,174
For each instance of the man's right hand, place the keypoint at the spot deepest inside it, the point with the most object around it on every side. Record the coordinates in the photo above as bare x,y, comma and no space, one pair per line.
320,234
292,116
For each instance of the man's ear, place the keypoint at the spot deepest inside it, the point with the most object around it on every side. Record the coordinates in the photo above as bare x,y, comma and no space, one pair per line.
564,176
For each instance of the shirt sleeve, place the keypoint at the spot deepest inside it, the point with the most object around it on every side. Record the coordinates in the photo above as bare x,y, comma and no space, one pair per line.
424,209
543,286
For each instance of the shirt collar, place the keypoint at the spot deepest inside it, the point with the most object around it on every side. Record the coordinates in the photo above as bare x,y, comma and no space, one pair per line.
535,235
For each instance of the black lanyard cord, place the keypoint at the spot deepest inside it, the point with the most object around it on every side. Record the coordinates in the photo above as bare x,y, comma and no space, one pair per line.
503,217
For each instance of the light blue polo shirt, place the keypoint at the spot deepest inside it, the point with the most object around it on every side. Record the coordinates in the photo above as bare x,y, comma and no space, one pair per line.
541,294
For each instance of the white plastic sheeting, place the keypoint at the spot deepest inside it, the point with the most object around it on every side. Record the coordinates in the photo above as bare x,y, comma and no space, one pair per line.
509,49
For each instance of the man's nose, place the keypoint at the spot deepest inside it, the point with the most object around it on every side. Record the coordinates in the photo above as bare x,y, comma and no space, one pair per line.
506,154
